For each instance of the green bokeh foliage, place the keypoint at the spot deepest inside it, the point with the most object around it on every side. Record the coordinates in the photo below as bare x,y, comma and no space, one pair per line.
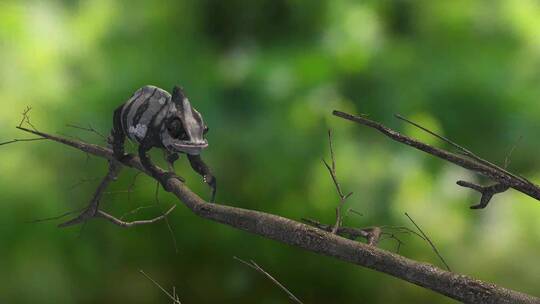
266,76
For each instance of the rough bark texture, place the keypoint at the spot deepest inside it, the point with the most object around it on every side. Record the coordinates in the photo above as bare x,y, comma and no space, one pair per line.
459,287
477,165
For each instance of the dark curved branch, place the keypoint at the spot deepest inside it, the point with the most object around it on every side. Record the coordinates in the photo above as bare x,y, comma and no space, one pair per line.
460,287
487,192
466,160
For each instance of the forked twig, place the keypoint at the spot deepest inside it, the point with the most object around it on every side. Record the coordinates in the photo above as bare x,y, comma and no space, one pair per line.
259,269
342,197
93,211
26,118
487,192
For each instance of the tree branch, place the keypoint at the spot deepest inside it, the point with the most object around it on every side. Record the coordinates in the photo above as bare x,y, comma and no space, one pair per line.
467,160
459,287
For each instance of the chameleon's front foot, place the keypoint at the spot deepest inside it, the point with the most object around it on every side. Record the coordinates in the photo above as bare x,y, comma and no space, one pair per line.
166,176
126,157
211,181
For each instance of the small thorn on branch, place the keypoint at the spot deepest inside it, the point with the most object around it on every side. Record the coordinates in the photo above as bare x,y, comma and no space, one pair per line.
487,192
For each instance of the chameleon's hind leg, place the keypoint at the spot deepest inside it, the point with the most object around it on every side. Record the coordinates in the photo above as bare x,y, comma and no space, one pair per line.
118,137
171,158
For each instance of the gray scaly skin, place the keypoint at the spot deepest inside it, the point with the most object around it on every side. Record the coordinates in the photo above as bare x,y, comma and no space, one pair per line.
155,119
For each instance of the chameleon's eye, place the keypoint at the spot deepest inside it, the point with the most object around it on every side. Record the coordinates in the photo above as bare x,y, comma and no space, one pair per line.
176,129
205,130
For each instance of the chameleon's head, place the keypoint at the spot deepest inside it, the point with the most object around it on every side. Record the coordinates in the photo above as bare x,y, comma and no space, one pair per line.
185,128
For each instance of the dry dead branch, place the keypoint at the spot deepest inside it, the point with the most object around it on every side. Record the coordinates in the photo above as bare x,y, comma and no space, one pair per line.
457,286
465,159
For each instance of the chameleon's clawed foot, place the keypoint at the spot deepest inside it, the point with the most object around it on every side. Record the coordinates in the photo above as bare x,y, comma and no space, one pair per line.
125,158
211,181
168,175
171,158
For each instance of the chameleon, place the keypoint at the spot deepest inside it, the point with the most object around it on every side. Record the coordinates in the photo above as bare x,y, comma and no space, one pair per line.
153,118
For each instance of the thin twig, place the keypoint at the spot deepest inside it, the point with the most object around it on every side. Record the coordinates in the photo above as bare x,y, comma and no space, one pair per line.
351,210
136,210
403,229
429,241
173,297
26,118
394,237
88,129
132,185
455,145
461,148
342,197
93,207
171,232
57,217
82,181
508,157
121,223
20,140
259,269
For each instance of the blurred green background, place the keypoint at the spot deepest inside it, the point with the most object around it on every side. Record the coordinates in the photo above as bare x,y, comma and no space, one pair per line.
266,76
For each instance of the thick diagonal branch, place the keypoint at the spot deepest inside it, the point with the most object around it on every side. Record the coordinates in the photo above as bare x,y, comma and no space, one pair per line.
467,160
460,287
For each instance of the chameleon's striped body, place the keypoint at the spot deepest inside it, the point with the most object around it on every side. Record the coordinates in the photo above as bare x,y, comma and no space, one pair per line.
146,109
155,119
